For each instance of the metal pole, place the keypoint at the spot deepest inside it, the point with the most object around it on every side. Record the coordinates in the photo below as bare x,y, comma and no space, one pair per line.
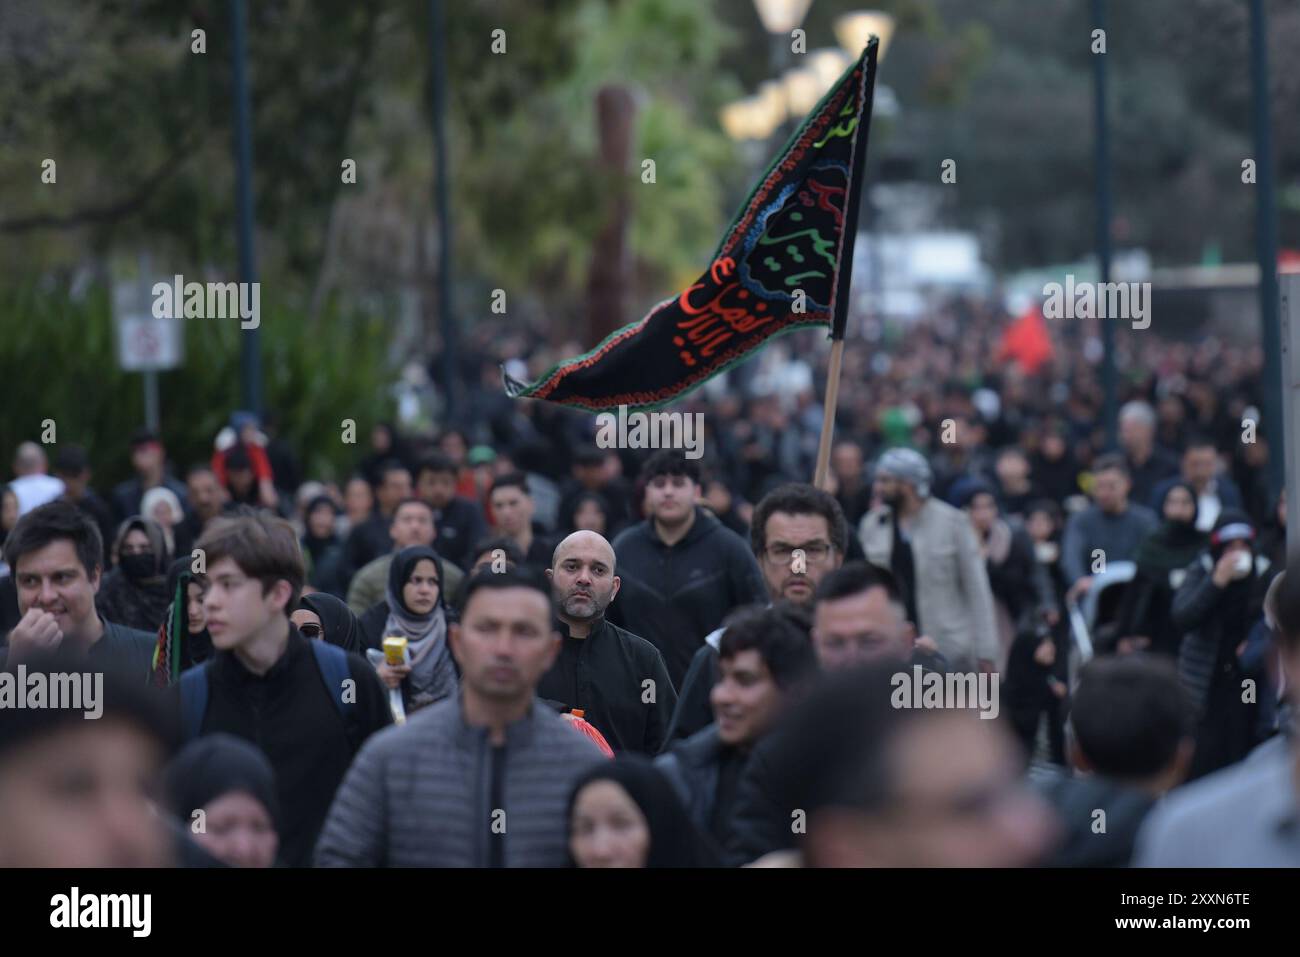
438,97
1102,165
1266,251
250,356
1288,392
152,418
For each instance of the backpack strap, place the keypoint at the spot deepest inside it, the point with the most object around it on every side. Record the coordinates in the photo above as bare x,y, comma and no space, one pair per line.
333,664
194,700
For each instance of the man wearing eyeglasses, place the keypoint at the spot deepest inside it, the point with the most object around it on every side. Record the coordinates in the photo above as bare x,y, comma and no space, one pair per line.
798,534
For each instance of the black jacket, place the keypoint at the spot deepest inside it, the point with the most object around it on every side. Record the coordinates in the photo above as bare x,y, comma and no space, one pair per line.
1088,839
604,675
694,710
766,799
1215,621
762,813
1012,580
688,587
370,626
288,713
705,772
461,526
542,549
367,542
1207,654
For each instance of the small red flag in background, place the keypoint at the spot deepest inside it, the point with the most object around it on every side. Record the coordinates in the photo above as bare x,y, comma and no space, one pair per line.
1026,340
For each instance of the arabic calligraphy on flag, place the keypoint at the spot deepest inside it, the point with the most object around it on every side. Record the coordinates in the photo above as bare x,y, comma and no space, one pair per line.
778,268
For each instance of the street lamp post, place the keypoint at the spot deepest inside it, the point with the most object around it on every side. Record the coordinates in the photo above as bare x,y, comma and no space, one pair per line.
1102,163
1266,251
438,98
250,356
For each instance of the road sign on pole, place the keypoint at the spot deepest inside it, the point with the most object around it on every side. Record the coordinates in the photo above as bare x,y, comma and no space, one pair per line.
144,342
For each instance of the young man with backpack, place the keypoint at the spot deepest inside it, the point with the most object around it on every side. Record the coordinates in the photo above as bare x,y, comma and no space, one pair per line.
307,704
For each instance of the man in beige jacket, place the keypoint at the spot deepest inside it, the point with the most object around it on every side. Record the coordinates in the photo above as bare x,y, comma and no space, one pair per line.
930,548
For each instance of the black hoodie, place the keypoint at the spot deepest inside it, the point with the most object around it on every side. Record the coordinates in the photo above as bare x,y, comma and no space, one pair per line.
685,589
288,713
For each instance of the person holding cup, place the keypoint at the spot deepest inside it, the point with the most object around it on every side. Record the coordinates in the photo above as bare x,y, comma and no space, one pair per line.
1219,601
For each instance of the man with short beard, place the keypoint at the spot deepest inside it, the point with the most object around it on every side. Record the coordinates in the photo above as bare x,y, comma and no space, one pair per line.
798,535
615,678
413,524
208,499
931,550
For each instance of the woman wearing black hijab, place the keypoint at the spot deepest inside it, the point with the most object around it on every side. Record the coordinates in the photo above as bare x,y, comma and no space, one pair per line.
229,785
1053,469
413,608
1162,559
624,813
135,593
321,615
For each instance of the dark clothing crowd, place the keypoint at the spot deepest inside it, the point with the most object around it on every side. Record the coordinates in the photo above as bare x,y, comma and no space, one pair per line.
504,645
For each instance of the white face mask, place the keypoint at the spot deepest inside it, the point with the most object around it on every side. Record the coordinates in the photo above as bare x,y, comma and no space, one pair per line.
1244,565
1046,552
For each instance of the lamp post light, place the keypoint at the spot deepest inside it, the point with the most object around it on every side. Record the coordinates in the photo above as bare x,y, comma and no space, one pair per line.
781,16
852,30
829,64
802,90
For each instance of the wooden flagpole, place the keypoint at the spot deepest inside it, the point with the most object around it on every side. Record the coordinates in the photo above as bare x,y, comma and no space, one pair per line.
828,417
840,304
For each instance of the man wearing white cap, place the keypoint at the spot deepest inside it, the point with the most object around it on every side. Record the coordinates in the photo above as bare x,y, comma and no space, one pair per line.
930,548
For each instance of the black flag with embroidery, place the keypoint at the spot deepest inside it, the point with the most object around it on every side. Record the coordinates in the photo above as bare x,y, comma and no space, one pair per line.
784,264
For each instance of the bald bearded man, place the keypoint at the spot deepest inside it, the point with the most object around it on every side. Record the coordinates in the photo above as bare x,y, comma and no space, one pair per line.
618,681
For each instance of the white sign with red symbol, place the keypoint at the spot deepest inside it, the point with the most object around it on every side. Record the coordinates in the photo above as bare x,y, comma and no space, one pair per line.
144,342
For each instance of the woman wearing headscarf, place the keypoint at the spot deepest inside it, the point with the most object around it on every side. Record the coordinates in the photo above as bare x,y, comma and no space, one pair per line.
414,608
1162,559
624,813
1053,468
320,615
162,505
322,549
1215,608
229,785
134,593
183,639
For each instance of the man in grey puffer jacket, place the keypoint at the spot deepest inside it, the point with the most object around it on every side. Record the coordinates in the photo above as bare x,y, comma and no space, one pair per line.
481,779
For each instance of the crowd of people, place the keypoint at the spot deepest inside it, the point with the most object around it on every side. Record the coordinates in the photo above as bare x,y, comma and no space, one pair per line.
502,645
